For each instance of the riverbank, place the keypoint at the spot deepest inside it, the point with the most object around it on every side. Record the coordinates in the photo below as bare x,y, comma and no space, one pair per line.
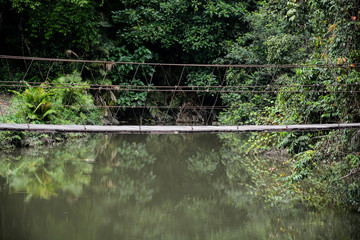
5,99
23,108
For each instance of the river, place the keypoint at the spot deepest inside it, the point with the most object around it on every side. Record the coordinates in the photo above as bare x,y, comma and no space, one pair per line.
150,187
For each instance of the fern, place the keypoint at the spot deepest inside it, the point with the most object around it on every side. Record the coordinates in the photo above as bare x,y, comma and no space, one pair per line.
43,104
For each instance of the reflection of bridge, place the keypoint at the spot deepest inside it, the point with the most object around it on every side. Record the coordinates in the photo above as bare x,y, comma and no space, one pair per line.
131,129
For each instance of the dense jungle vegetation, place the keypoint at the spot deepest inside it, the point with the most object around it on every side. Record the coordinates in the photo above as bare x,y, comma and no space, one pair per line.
195,31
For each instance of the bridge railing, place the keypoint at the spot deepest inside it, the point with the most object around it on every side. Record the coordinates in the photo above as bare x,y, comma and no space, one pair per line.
134,93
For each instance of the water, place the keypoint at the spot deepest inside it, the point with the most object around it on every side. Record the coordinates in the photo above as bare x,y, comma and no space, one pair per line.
149,187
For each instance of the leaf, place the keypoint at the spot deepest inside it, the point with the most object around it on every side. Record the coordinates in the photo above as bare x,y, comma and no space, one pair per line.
49,112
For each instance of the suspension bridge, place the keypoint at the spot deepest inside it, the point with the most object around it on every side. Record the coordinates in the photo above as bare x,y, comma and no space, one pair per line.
136,129
195,116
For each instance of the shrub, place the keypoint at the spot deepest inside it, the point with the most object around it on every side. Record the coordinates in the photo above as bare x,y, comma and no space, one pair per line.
63,101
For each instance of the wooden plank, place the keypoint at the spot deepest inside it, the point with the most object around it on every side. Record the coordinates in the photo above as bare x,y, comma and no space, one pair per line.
13,127
128,129
313,126
262,128
55,128
165,129
214,129
113,129
349,125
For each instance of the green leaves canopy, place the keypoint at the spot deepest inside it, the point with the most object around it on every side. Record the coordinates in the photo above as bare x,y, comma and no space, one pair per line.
181,30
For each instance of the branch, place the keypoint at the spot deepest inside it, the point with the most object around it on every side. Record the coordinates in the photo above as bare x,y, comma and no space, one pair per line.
348,175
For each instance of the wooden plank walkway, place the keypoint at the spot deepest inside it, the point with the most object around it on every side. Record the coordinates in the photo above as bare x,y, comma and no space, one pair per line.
137,129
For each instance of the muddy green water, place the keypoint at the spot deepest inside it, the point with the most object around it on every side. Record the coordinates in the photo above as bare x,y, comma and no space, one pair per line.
149,187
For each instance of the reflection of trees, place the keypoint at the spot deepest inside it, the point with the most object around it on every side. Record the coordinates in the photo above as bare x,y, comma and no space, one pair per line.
46,173
124,170
42,180
203,162
172,168
150,187
189,218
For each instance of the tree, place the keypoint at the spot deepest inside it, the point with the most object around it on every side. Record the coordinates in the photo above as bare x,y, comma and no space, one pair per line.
180,31
303,32
50,28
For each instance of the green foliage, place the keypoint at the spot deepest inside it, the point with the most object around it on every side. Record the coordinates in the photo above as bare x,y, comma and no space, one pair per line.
295,142
128,74
122,54
63,25
10,139
68,102
202,81
342,168
311,32
275,177
21,5
194,29
72,95
238,114
35,103
283,49
75,103
133,98
304,164
50,28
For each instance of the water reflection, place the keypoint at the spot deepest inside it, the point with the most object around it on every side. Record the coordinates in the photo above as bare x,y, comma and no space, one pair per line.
47,173
148,187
